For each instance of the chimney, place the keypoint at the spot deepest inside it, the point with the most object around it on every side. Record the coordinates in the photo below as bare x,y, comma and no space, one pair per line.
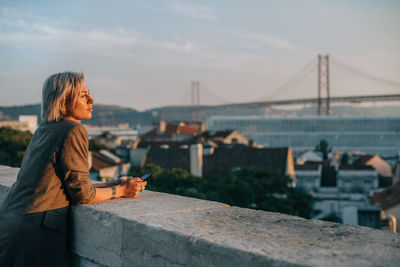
202,127
196,160
252,143
162,127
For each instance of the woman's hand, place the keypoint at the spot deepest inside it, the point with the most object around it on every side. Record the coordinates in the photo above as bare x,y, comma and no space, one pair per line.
124,187
130,187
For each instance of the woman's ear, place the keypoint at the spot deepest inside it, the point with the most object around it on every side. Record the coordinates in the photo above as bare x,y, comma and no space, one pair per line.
63,110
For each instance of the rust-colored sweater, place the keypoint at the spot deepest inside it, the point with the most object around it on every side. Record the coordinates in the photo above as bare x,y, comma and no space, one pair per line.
54,172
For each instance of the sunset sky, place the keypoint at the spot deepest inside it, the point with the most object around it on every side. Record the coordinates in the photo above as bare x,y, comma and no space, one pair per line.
144,54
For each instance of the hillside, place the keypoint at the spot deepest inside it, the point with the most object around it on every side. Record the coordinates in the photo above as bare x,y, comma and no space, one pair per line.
107,115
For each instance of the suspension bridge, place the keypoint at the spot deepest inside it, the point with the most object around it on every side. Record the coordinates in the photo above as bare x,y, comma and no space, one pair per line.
322,64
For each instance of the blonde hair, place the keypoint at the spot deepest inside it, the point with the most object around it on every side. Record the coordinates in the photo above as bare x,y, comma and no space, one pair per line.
60,91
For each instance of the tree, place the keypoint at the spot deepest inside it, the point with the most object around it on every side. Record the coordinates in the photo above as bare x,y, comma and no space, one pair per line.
324,148
345,158
255,188
138,171
13,144
263,189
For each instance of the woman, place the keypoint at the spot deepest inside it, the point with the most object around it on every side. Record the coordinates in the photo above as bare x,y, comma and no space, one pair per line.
54,174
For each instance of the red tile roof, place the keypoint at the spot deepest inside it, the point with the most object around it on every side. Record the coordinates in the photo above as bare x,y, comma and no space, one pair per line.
172,129
100,162
309,165
222,134
388,198
150,143
173,157
225,158
152,132
363,159
355,166
187,129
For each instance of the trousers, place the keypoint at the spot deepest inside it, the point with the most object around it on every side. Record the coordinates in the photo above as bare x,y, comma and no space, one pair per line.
37,239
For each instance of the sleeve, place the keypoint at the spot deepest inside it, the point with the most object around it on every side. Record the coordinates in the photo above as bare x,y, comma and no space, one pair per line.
75,166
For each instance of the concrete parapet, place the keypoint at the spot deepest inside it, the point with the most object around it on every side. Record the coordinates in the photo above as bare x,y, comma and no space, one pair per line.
159,229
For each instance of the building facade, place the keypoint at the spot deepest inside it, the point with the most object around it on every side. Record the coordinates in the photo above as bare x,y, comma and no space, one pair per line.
378,135
24,123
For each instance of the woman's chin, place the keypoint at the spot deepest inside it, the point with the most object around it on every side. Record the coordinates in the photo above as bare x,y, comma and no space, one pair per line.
87,117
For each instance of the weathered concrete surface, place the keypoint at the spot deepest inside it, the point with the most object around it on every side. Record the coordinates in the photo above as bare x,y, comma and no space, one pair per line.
102,227
236,235
158,229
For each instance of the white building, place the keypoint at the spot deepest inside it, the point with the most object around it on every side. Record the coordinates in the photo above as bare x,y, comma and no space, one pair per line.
123,131
308,177
309,155
105,166
378,135
359,179
24,123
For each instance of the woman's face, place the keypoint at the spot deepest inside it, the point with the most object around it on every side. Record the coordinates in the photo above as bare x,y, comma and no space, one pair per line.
82,109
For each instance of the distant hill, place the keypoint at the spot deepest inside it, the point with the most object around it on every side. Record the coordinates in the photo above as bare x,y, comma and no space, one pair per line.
108,115
12,113
105,115
114,115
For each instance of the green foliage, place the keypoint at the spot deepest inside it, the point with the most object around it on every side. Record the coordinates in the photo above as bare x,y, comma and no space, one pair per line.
175,181
324,148
149,168
345,158
95,146
262,189
255,188
13,144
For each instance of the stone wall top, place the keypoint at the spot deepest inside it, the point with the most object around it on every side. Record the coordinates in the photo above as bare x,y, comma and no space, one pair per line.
158,229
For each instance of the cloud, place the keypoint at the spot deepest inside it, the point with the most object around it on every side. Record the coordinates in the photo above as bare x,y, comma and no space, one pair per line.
113,38
186,46
45,28
106,42
193,11
267,39
22,30
7,12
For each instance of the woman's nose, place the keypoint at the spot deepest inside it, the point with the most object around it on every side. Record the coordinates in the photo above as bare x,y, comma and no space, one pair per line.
91,100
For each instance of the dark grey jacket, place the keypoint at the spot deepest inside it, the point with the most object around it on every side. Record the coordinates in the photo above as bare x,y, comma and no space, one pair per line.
55,170
54,174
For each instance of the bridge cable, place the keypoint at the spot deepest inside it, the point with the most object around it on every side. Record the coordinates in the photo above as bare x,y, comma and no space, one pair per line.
366,75
183,97
301,75
214,96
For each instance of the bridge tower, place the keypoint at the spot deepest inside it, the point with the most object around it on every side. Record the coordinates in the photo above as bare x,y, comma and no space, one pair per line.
195,100
323,83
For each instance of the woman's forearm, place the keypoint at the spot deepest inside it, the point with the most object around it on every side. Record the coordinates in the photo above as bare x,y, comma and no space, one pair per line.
122,188
106,193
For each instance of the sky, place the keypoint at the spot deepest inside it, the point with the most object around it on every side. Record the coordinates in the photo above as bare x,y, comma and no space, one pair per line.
145,53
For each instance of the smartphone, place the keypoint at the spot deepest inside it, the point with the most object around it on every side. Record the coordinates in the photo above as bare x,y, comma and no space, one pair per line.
146,176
